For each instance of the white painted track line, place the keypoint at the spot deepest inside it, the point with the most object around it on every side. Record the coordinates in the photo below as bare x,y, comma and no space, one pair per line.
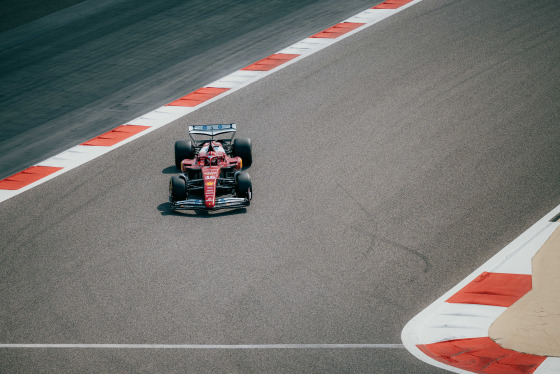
205,346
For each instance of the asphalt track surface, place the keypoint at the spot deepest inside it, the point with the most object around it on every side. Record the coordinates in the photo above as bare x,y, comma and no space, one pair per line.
386,168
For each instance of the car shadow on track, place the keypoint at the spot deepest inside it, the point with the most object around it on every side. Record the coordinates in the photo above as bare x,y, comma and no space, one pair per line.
165,209
170,170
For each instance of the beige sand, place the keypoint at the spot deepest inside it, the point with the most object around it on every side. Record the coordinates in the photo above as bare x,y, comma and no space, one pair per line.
532,324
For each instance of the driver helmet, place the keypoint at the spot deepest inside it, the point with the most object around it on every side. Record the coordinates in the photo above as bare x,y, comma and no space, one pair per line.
211,159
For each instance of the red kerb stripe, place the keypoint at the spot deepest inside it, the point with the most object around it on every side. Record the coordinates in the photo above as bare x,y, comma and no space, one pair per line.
116,135
199,96
391,4
482,355
493,289
27,176
338,30
270,62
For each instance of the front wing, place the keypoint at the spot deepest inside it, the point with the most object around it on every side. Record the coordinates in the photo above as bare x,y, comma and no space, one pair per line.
221,203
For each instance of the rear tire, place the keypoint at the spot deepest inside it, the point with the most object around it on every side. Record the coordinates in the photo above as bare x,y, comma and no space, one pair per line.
183,149
242,148
243,185
177,188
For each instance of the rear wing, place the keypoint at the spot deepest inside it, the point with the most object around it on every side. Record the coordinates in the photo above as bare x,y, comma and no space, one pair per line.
213,130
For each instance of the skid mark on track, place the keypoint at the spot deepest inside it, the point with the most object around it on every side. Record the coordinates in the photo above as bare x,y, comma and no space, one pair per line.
377,239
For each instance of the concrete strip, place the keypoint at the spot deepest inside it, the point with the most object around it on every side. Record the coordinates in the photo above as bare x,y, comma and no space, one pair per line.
532,324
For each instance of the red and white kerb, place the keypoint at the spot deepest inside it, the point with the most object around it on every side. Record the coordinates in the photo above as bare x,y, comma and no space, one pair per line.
452,333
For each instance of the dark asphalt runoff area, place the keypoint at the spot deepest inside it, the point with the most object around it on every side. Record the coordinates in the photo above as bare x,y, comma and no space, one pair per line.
386,169
89,68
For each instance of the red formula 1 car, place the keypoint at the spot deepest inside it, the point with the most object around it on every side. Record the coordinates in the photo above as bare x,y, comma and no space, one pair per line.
212,170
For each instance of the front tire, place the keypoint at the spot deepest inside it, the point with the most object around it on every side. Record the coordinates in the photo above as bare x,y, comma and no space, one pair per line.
242,148
177,188
183,149
243,185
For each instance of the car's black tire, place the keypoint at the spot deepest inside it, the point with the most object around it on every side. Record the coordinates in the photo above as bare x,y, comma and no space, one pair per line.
242,148
183,149
243,185
177,188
